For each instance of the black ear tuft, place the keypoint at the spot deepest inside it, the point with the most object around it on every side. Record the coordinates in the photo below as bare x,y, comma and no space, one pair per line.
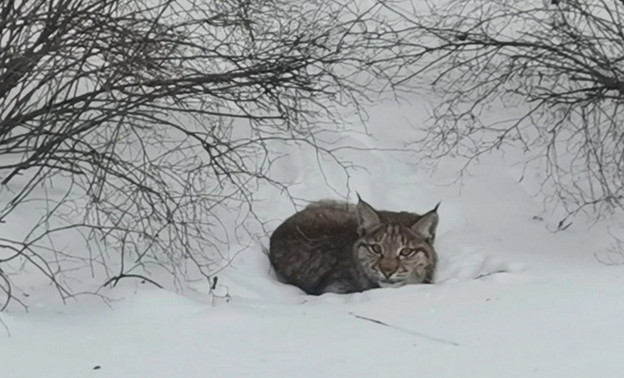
435,209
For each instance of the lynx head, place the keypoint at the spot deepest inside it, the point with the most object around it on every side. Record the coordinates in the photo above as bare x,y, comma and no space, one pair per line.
393,254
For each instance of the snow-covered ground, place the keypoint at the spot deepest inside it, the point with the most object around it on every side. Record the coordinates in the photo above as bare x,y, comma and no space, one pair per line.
513,298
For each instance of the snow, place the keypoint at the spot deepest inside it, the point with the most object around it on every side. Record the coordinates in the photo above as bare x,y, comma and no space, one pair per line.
513,298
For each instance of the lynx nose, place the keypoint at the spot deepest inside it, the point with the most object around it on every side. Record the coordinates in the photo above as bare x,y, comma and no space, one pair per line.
388,273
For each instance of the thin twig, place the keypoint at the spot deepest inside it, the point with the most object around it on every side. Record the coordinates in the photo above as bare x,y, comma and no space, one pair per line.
6,328
401,329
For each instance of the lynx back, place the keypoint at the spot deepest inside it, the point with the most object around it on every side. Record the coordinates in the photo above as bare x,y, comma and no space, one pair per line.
337,247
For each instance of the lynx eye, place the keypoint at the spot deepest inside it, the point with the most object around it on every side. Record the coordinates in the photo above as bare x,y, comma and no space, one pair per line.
375,248
406,252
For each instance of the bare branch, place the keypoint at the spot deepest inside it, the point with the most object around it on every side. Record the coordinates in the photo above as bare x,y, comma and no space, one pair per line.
143,126
559,66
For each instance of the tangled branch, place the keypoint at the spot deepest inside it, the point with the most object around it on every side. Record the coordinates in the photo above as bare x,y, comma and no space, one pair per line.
142,126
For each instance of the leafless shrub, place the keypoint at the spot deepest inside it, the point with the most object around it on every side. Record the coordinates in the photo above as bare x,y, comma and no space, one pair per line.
558,69
136,124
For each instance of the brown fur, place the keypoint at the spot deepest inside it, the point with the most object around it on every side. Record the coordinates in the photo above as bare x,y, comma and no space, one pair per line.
336,247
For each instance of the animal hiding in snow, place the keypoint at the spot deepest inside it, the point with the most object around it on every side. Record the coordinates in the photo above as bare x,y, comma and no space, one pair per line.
338,247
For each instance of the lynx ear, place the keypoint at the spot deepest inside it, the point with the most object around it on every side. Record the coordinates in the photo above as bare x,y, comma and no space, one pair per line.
367,217
426,225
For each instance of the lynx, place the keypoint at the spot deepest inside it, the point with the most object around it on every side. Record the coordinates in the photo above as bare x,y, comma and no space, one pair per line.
337,247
